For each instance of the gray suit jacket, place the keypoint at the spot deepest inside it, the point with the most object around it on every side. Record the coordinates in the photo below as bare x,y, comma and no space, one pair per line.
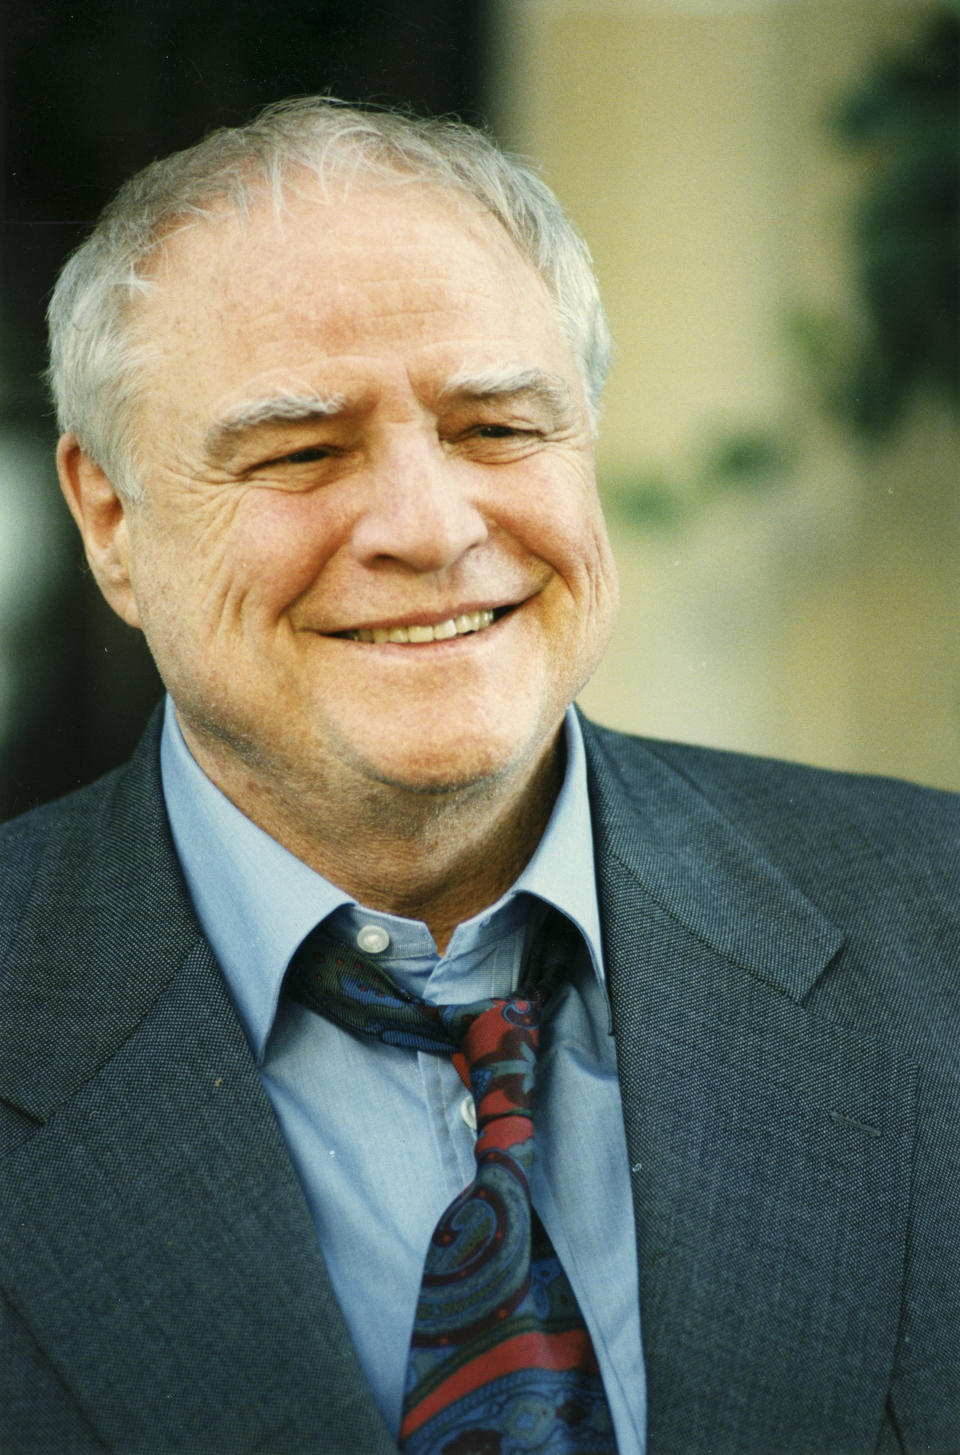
783,954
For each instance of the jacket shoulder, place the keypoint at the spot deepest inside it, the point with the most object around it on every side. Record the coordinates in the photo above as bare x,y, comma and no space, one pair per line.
24,840
878,857
790,805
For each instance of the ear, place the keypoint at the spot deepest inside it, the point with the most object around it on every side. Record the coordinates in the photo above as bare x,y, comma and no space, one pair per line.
101,516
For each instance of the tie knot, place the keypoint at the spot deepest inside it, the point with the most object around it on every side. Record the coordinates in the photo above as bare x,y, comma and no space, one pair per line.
499,1049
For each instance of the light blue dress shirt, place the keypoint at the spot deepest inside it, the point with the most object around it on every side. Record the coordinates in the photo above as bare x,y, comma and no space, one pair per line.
382,1138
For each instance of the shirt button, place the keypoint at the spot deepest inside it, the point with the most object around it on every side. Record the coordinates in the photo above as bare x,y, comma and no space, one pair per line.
468,1110
373,939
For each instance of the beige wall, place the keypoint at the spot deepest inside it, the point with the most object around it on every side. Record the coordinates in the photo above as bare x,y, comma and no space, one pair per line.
816,620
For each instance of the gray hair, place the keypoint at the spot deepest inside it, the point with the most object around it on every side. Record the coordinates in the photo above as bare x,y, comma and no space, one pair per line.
95,362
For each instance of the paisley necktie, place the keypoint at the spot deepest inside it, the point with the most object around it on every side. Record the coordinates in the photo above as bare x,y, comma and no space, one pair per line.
500,1362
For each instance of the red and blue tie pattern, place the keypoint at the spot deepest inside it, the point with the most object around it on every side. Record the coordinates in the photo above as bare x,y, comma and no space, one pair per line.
501,1362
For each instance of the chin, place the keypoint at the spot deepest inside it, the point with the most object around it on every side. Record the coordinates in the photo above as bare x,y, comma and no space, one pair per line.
435,764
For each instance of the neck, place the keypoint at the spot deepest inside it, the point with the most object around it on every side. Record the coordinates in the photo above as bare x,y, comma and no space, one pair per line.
439,857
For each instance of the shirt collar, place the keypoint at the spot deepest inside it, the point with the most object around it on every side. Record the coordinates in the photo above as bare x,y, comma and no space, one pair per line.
256,902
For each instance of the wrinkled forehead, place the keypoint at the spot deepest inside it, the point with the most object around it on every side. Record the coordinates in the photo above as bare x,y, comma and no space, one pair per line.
279,225
355,269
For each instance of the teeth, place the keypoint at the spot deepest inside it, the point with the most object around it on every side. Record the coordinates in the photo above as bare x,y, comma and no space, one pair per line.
454,626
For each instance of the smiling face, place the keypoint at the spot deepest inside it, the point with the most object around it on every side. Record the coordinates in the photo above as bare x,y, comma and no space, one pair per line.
370,549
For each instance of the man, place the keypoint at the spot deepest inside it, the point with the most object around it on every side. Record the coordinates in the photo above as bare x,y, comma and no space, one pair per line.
327,386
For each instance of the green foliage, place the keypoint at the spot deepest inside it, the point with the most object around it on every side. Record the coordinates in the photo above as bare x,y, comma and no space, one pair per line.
648,501
906,234
746,460
742,459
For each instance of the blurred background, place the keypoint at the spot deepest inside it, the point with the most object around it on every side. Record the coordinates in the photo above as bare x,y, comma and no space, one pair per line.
770,192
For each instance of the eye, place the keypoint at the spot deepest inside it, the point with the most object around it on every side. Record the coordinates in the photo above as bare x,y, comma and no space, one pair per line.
496,442
308,456
504,432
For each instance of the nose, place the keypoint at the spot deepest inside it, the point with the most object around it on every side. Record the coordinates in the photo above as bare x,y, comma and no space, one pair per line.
418,510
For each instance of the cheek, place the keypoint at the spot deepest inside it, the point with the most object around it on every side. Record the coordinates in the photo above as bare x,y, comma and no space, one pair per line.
559,519
570,534
279,543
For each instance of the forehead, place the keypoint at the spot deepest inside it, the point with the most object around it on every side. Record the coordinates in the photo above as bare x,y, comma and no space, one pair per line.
338,281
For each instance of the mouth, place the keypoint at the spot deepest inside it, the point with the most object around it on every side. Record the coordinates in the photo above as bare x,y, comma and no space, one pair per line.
442,631
418,633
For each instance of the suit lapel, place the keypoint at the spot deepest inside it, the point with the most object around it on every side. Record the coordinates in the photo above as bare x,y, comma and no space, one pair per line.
770,1150
160,1252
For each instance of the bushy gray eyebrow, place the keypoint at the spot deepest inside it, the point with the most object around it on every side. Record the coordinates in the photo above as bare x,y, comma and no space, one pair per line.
512,381
285,406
